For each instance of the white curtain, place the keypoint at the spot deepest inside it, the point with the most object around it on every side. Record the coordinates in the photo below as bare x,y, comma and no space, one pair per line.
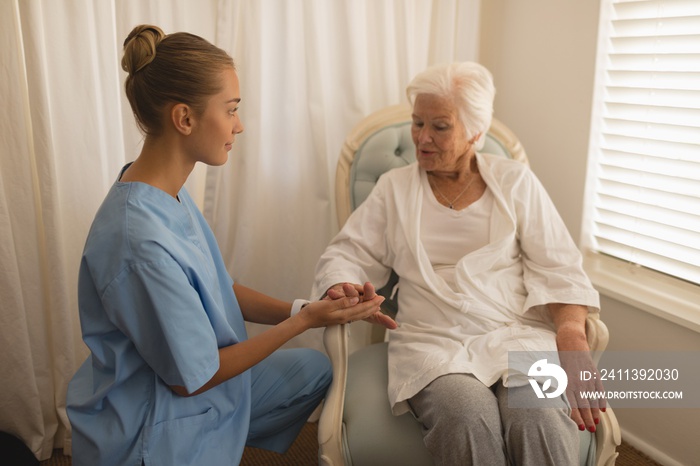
61,145
308,69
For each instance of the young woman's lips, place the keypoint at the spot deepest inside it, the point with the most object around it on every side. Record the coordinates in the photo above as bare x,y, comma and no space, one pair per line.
229,145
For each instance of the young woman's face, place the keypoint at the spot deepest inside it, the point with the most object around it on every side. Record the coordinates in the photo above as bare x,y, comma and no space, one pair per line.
439,135
219,123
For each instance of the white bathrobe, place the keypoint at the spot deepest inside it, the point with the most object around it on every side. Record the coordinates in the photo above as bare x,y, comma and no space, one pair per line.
500,290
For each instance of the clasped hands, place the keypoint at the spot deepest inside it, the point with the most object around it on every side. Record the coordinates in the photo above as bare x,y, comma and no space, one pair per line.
364,293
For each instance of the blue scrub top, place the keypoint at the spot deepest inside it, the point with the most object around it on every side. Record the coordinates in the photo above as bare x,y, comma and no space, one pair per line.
156,303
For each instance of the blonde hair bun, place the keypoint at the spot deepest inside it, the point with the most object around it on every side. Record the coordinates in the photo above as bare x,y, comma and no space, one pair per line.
140,47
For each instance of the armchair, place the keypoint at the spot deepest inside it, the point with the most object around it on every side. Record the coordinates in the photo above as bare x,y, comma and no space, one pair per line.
356,426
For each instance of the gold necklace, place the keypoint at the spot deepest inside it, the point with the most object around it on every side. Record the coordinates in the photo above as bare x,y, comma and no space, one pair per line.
451,204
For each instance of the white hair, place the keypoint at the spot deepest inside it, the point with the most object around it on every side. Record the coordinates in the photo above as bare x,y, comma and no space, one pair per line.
469,85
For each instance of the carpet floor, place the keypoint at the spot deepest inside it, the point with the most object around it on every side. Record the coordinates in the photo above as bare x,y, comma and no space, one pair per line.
304,453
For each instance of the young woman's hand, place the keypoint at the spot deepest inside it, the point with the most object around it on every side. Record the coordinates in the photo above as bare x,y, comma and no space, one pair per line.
343,310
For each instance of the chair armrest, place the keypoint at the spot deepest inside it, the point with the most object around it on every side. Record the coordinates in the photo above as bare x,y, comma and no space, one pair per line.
597,335
608,435
330,424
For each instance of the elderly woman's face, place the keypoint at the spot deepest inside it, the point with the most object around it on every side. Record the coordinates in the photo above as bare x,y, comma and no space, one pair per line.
439,135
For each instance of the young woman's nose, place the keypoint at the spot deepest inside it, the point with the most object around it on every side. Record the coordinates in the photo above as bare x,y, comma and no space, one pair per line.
238,127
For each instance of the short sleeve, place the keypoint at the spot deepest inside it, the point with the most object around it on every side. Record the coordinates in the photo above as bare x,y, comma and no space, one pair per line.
158,309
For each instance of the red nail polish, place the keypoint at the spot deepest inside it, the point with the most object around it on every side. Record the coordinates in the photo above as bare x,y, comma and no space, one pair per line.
581,427
596,420
591,429
603,409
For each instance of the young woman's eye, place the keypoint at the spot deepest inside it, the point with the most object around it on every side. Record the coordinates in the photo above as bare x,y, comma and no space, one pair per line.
233,111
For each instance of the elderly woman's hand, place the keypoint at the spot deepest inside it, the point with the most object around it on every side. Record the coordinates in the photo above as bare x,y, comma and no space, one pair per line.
364,292
575,357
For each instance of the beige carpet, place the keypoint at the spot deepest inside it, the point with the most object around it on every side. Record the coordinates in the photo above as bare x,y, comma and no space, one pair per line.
304,453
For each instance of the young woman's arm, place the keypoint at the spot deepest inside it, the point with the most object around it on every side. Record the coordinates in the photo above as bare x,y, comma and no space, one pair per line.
259,308
235,359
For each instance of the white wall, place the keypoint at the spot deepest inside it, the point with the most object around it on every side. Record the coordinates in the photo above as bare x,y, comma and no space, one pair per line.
542,55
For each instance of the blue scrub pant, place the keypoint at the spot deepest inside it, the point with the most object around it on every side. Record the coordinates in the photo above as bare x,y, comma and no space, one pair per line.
286,387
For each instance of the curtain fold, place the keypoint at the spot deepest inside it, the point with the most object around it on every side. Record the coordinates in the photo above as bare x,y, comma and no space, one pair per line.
309,69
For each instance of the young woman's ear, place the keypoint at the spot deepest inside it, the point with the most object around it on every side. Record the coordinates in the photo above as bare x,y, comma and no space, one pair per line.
182,118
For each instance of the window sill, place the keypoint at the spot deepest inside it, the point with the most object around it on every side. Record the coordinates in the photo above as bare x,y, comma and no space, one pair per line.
663,296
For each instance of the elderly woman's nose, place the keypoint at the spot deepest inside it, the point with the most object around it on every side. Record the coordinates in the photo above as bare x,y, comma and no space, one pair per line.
424,134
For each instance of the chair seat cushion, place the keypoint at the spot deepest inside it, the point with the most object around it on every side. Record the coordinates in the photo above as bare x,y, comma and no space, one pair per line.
375,435
372,435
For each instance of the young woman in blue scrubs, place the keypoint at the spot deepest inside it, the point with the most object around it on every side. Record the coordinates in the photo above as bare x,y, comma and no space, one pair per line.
172,378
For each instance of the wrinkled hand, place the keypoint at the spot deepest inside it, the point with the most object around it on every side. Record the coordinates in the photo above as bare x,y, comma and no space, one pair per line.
574,355
364,292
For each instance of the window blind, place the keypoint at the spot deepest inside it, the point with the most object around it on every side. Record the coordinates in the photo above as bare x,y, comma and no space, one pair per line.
646,137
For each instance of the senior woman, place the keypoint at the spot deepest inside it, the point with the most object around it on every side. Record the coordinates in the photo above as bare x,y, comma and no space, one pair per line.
485,265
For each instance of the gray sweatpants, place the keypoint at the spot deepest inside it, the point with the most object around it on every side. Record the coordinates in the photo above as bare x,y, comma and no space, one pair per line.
467,423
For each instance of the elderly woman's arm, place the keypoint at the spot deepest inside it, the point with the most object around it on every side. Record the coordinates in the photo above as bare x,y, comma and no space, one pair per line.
359,252
570,324
553,274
